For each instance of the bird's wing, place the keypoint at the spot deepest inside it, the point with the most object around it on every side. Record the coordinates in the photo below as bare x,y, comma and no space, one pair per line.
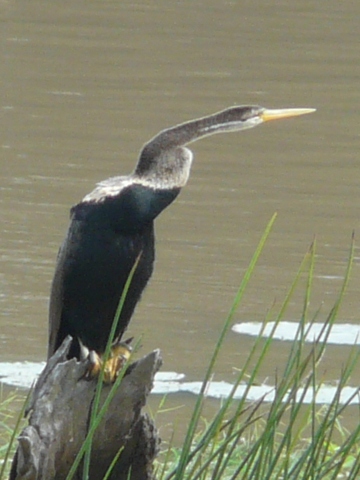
56,301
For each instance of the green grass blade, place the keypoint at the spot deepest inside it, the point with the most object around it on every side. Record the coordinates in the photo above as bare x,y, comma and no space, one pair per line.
179,472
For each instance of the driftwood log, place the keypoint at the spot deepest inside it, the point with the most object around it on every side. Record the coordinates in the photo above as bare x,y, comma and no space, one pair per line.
59,413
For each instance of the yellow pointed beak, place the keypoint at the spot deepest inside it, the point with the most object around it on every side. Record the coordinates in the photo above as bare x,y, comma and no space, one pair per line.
275,114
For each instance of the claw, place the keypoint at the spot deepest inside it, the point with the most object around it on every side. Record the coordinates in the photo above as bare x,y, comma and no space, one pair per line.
119,355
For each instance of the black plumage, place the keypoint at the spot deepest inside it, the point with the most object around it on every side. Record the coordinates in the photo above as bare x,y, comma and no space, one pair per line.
114,224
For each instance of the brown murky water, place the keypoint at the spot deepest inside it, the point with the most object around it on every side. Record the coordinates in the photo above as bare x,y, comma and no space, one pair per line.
85,84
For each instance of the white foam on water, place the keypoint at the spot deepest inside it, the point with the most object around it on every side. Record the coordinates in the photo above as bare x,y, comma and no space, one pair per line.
340,334
23,374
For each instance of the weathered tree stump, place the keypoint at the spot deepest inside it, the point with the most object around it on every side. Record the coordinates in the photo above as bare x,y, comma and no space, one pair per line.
59,416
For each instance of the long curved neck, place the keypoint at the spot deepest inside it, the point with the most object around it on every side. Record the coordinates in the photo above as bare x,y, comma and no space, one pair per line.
231,119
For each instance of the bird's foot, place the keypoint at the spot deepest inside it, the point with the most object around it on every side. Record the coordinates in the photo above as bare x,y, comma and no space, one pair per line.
119,354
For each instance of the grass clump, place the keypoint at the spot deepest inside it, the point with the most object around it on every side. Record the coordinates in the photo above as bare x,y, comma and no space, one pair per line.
290,438
10,426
